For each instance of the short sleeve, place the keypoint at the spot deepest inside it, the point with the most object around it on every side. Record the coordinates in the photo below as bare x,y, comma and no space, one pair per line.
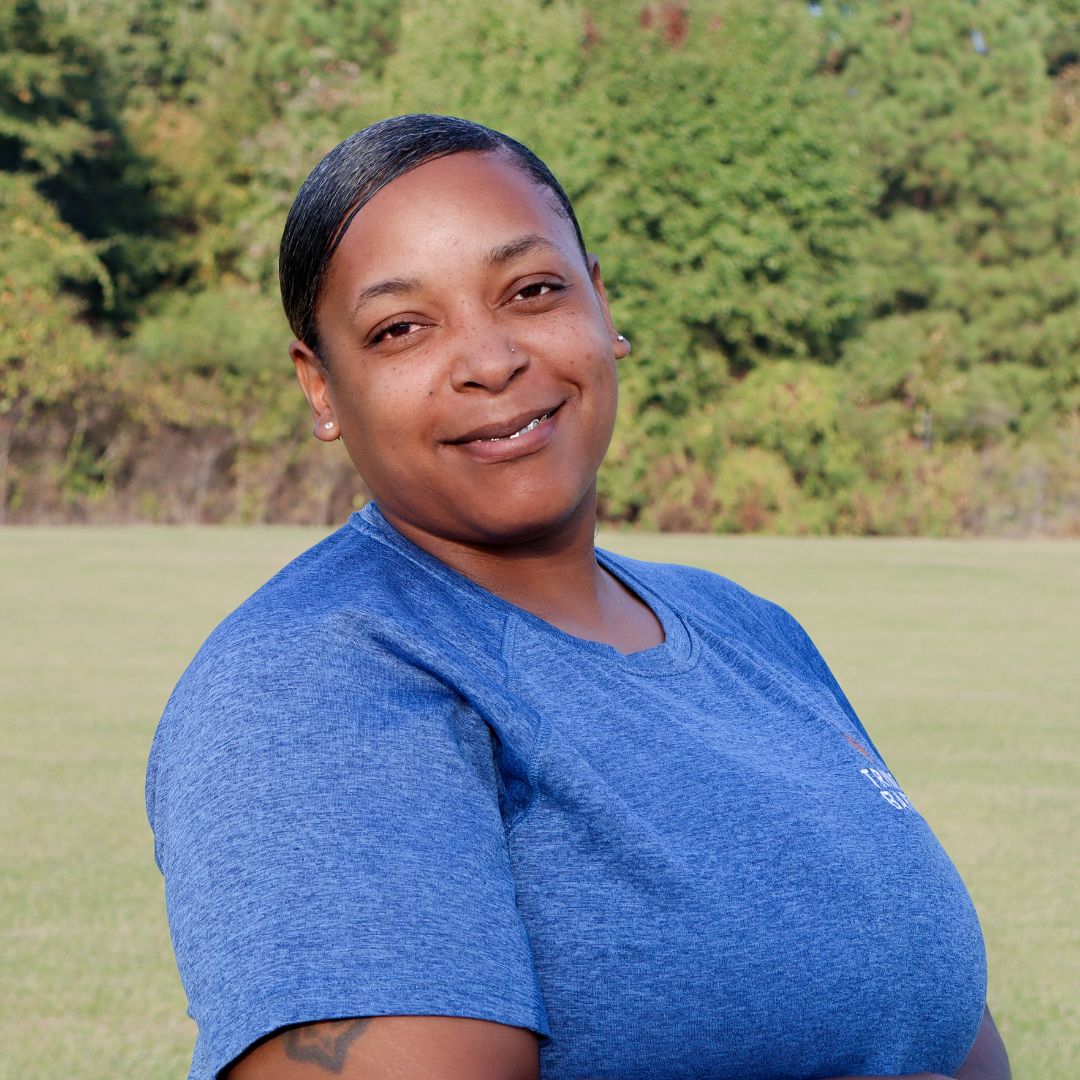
326,818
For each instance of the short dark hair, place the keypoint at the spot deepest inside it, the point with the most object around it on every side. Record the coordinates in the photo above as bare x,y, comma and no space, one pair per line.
354,171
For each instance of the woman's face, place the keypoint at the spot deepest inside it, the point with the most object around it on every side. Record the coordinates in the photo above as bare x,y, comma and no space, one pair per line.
470,356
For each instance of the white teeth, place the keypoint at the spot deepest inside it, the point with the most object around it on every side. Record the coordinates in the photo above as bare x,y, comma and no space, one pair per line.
531,426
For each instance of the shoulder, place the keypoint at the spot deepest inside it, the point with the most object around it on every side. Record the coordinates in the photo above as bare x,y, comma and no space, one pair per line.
303,617
345,643
349,606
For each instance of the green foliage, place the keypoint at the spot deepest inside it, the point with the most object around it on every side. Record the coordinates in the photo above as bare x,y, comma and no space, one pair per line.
206,359
844,246
61,123
233,330
48,355
49,109
1061,38
245,98
37,249
975,246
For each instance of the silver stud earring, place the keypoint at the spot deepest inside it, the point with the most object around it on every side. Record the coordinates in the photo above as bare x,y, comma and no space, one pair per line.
328,425
626,341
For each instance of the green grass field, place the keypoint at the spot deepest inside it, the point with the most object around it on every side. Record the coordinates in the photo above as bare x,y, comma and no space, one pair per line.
963,659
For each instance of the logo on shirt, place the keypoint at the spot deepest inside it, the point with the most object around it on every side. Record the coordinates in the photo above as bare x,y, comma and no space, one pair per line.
887,788
882,779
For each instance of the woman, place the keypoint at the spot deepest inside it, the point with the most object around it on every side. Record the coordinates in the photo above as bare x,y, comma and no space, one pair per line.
456,795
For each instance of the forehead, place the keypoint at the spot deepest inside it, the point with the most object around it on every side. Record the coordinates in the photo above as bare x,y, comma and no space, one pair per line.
463,204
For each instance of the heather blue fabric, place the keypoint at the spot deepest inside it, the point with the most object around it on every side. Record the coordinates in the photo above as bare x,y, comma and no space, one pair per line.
378,789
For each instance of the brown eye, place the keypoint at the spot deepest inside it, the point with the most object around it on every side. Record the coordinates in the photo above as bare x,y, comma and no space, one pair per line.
538,289
393,330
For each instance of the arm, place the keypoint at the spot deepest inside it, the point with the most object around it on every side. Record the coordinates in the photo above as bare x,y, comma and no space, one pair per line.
988,1059
393,1048
333,847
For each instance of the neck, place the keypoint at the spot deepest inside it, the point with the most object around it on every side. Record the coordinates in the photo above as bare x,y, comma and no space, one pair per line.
554,576
544,574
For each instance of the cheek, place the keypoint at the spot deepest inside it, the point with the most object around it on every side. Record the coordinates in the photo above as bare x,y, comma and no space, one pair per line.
392,407
394,451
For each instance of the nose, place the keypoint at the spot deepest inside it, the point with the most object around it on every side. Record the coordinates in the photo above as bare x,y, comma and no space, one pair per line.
485,359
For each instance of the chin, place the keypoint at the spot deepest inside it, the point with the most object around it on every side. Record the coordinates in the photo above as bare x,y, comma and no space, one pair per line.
526,521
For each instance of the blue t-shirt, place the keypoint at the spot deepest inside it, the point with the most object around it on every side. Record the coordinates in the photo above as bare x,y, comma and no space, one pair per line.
379,789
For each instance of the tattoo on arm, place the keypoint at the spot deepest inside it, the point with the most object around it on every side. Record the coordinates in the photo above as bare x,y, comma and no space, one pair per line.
325,1044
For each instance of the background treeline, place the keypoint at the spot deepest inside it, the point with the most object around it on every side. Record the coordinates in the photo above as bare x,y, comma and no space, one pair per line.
842,237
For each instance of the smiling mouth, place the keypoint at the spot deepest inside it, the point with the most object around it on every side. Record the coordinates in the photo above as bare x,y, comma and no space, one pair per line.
505,432
532,425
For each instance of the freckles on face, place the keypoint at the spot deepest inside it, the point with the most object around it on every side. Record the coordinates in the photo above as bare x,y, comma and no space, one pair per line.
471,352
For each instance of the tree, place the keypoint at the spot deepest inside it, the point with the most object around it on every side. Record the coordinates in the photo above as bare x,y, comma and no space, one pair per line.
975,245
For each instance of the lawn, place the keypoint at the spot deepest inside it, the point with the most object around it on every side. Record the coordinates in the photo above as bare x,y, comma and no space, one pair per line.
963,659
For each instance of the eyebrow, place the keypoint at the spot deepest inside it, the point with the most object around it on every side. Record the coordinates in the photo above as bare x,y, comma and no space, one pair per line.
389,287
523,245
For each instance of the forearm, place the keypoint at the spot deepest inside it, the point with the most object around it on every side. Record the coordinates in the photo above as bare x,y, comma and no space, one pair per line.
988,1059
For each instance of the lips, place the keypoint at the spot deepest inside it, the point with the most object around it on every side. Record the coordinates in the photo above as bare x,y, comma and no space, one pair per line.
513,427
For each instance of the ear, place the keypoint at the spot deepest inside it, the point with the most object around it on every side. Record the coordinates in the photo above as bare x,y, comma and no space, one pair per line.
619,344
311,372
